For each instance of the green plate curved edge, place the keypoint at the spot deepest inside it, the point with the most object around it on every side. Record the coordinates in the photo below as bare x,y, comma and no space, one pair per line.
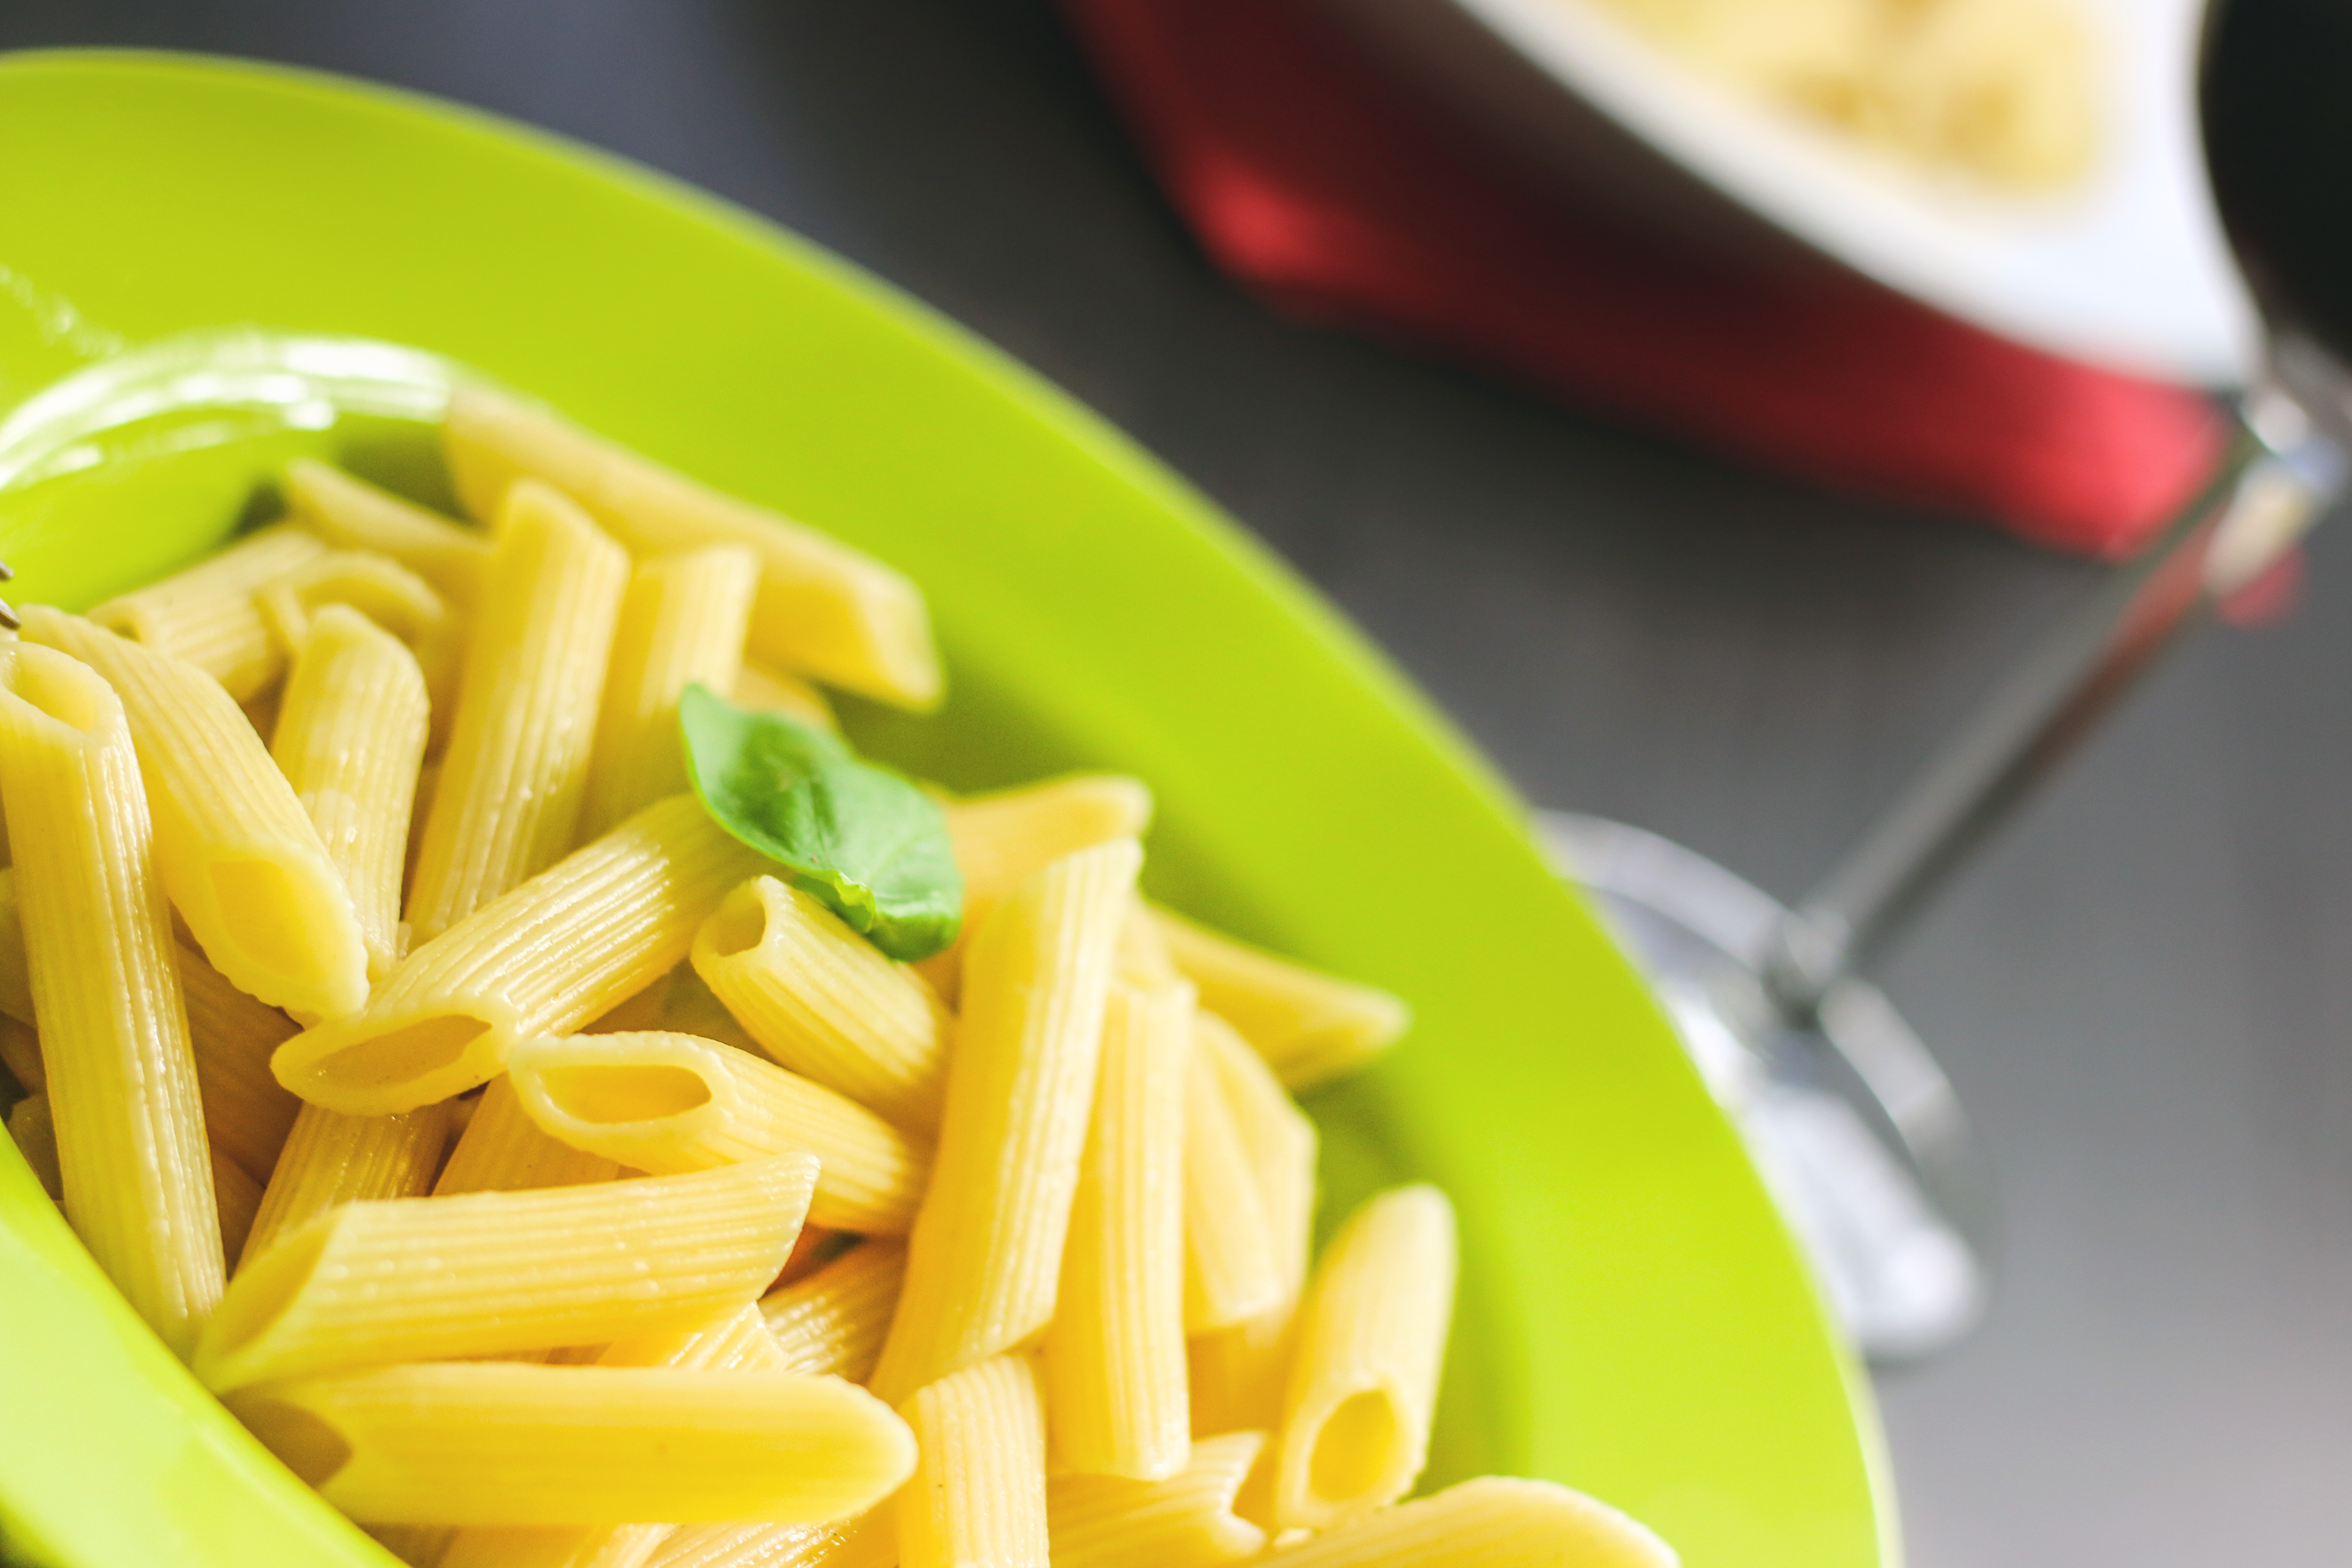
1634,1320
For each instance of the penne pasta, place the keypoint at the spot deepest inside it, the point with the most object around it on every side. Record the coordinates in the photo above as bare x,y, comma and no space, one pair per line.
16,981
247,1113
20,1053
388,594
834,1321
1114,1358
1186,1520
121,1090
504,1444
1237,1373
1143,958
1364,1384
1495,1522
333,1158
234,850
979,1491
1276,1141
350,739
351,514
507,803
985,1256
601,1263
682,620
823,610
35,1132
670,1103
237,1199
563,949
1310,1027
502,1149
773,691
825,1002
206,617
869,1540
1231,1271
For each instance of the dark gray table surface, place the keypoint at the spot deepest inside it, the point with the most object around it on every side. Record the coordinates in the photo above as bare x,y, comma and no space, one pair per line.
2142,989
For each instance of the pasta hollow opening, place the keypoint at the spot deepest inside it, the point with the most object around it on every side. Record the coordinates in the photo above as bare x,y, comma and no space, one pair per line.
741,924
63,689
266,1286
303,1441
609,1095
277,913
1356,1448
399,1055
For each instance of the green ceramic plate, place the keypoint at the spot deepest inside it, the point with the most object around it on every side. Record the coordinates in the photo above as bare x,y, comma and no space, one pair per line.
1632,1321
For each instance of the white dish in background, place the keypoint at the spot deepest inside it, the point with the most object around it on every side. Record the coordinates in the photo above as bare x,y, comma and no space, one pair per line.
2128,269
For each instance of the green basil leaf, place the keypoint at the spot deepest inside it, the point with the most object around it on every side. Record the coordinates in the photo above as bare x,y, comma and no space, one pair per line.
862,838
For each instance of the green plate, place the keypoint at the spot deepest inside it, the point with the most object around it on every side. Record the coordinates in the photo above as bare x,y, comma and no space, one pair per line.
1634,1320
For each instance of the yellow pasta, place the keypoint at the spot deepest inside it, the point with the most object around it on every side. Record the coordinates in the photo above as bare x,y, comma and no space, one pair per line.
834,1319
1363,1386
20,1053
682,620
1310,1026
35,1135
382,589
1143,957
825,1002
502,1149
824,609
979,1492
1495,1522
15,983
985,1257
503,1443
247,1113
350,739
333,1158
1238,1373
352,514
508,1272
507,803
773,691
564,948
114,1034
869,1540
236,1200
207,615
1114,1359
668,1103
1186,1520
234,850
1231,1271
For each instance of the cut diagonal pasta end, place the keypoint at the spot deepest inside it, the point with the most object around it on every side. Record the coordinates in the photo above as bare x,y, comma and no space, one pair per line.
381,1066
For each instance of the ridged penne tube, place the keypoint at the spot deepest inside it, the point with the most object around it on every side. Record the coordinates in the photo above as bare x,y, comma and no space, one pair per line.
979,1493
502,1149
1310,1026
350,738
773,691
508,805
502,1444
1184,1521
331,1159
1231,1271
824,609
237,1199
1363,1382
1495,1522
247,1113
985,1257
351,514
682,620
825,1002
834,1321
869,1540
1114,1359
122,1086
388,594
668,1103
561,949
236,850
20,1053
425,1278
207,615
16,981
1276,1141
35,1132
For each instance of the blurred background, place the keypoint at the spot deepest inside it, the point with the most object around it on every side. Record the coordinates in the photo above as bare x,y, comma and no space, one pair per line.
1686,527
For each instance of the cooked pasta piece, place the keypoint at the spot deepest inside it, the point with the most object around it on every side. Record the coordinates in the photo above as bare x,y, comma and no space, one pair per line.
1363,1386
351,514
496,1443
979,1492
682,620
20,1053
1231,1271
15,983
1238,1373
35,1134
869,1540
1114,1360
1276,1140
502,1149
247,1113
834,1320
825,1002
773,691
237,1199
114,1034
824,609
1495,1522
507,803
1143,957
207,614
1310,1026
382,589
564,948
236,850
985,1256
510,1272
350,739
668,1103
1184,1521
333,1158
